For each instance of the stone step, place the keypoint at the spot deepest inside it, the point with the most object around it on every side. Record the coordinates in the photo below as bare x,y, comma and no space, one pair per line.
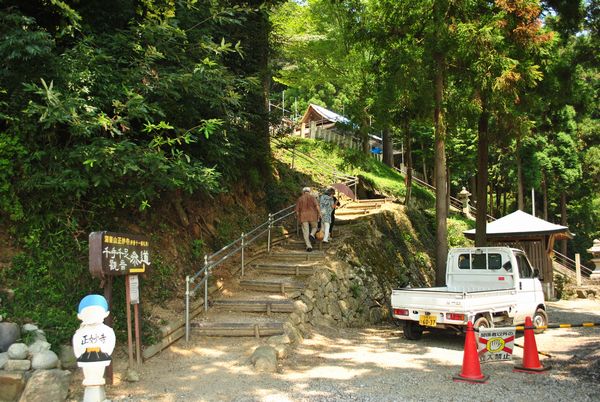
286,269
271,286
255,306
238,329
361,205
296,255
352,212
300,245
371,200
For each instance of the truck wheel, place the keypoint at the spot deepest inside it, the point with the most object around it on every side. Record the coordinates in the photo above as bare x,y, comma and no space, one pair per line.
540,319
412,331
480,322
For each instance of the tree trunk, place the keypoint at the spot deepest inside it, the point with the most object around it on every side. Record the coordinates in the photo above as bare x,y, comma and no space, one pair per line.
482,177
448,188
388,147
424,163
491,199
520,188
364,134
545,195
563,220
408,160
498,201
441,209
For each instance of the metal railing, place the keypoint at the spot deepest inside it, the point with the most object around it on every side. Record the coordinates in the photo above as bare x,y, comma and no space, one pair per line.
455,202
571,265
228,251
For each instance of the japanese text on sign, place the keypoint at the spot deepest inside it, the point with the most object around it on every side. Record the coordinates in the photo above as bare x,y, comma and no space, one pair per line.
118,254
495,344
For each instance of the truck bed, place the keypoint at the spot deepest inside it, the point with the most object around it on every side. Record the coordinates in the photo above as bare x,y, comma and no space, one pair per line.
441,299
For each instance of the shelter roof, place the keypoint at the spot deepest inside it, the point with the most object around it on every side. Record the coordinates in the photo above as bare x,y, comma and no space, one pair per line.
520,224
326,114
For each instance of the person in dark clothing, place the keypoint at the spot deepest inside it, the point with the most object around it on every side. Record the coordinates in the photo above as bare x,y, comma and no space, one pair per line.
336,204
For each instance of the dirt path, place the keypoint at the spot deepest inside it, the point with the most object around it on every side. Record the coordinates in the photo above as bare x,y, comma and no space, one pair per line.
369,364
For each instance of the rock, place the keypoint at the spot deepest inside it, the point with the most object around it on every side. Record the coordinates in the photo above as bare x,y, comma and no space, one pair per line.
44,360
322,321
321,305
279,339
9,333
295,318
3,359
29,327
67,357
294,294
299,305
343,307
132,375
375,315
264,358
17,365
18,351
11,385
282,350
309,293
38,347
292,333
304,331
47,386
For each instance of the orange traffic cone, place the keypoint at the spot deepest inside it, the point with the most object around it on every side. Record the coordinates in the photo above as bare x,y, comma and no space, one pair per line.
531,360
471,369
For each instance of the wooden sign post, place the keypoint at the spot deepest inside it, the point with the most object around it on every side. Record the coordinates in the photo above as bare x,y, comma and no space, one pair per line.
120,254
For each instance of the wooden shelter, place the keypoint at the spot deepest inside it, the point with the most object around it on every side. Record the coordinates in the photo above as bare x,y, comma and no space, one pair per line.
533,235
322,116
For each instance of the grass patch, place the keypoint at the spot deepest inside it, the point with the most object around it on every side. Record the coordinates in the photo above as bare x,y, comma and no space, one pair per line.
386,180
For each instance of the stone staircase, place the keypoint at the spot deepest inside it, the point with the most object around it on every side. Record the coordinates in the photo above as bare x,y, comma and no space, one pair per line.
354,209
259,303
263,302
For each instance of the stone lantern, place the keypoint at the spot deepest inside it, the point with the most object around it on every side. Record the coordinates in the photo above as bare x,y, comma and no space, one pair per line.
595,252
463,197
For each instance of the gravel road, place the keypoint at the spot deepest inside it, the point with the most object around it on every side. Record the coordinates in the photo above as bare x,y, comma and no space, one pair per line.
372,364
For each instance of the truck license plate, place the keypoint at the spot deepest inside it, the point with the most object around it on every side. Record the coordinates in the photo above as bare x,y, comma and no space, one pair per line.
427,320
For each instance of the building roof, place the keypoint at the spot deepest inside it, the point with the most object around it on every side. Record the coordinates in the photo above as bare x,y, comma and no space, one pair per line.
520,223
326,114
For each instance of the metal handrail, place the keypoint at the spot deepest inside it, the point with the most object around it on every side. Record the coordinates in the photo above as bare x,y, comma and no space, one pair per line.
231,249
455,202
568,263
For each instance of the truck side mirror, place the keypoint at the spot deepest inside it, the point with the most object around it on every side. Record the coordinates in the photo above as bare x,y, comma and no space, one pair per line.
536,273
507,266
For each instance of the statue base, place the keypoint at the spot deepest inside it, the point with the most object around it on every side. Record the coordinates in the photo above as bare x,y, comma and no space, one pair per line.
94,393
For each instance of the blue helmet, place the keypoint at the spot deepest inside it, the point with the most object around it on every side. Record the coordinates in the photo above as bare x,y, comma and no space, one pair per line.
93,300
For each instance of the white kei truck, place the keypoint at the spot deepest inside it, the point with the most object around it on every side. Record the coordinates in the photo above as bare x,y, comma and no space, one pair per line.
488,286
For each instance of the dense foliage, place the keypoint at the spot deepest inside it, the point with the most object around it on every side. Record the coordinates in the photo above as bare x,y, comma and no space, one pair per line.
510,87
112,107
